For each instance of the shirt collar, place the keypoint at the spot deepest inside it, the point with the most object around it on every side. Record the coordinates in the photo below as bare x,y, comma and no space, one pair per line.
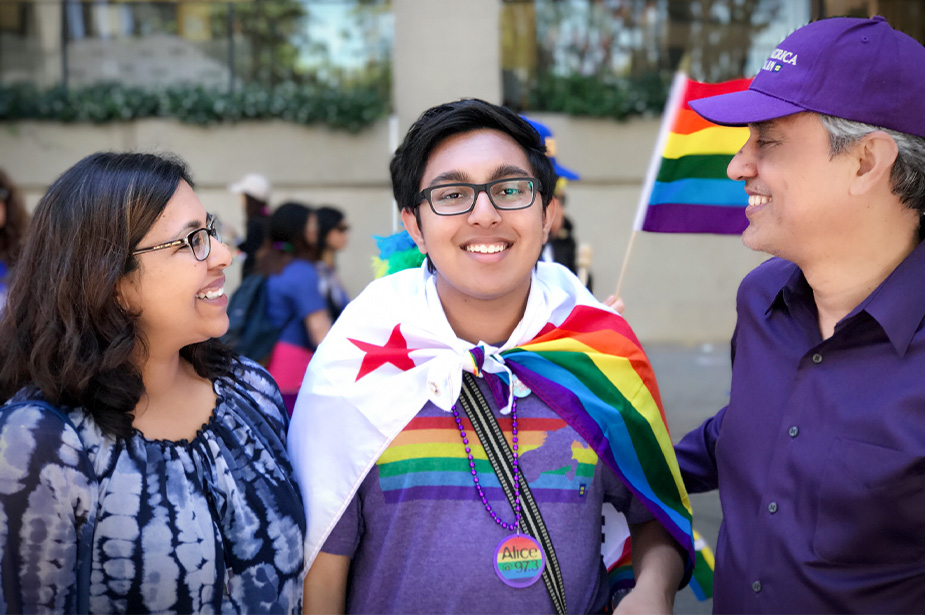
795,289
898,304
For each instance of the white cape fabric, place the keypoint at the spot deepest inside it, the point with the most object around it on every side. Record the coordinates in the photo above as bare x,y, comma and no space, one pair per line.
341,425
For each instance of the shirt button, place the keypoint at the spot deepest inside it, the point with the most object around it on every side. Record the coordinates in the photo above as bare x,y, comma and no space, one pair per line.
756,586
772,507
817,358
794,431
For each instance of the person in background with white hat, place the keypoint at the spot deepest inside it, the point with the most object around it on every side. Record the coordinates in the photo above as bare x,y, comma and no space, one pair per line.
820,455
255,198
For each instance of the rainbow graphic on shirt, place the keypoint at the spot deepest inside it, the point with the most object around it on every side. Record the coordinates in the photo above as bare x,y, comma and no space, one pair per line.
428,461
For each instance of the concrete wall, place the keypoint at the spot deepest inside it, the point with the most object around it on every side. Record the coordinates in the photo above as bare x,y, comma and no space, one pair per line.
444,50
678,288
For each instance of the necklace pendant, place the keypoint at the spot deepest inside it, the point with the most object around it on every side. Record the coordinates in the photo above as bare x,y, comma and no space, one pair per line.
519,560
518,387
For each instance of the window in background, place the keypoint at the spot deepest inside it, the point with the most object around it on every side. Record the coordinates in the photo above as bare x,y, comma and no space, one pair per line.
616,57
209,44
905,15
19,43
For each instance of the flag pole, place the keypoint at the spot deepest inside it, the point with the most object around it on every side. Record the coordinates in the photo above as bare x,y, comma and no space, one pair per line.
626,260
675,96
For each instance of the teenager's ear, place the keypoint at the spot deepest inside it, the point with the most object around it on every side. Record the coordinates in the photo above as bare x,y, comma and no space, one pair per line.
552,210
410,221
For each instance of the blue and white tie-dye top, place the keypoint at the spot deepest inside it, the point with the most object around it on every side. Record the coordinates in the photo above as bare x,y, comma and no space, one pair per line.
211,524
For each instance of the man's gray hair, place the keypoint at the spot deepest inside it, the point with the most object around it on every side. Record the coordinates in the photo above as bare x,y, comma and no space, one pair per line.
907,178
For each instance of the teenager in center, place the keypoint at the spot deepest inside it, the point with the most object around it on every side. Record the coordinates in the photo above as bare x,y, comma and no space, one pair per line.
415,506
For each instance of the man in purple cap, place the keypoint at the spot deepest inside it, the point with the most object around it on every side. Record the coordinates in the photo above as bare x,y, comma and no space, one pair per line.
820,454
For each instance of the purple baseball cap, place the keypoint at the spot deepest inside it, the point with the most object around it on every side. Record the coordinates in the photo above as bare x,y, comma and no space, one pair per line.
857,69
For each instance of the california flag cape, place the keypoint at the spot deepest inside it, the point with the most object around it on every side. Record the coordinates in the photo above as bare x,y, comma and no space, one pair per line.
392,350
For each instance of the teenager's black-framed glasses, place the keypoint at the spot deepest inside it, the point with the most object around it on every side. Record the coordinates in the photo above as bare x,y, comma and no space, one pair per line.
197,241
459,198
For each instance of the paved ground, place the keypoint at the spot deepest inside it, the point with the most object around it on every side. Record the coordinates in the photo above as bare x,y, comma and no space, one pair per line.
694,382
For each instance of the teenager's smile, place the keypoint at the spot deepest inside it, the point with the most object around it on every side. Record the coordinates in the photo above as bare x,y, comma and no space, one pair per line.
486,247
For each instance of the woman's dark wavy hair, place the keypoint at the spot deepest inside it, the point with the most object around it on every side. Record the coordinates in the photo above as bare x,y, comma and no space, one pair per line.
328,219
466,115
286,238
64,330
13,230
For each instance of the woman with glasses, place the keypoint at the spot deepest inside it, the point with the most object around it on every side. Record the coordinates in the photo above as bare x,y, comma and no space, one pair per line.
294,301
333,235
463,423
144,467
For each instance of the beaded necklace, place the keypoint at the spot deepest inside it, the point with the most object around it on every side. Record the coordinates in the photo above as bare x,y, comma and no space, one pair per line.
519,559
515,526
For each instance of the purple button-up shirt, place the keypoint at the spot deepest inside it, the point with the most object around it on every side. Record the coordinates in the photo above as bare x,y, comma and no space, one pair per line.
820,454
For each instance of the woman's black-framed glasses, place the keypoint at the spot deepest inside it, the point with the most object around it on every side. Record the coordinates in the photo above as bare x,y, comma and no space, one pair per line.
198,241
459,198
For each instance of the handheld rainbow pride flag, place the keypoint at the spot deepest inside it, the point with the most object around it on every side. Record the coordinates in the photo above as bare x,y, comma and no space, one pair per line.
686,188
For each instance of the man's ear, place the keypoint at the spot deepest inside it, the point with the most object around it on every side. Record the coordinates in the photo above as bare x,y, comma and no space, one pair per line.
410,221
876,153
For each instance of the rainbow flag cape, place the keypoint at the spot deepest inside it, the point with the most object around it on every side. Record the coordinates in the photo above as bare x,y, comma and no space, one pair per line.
686,188
591,370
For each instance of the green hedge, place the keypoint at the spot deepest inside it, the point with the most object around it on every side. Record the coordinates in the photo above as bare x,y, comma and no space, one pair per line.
349,109
352,109
593,96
